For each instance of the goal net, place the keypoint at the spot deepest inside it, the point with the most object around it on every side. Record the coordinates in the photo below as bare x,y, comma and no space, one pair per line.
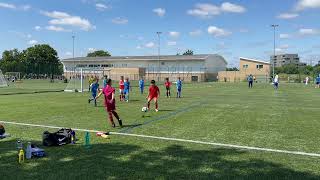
80,79
3,82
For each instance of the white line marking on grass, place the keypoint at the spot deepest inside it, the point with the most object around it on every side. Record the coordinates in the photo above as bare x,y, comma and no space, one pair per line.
176,139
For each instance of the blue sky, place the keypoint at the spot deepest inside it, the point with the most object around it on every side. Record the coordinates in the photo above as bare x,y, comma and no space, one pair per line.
234,28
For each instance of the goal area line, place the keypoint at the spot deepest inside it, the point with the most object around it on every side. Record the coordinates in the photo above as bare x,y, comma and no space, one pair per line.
176,140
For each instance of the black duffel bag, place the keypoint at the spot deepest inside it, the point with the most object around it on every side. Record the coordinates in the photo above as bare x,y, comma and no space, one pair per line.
61,137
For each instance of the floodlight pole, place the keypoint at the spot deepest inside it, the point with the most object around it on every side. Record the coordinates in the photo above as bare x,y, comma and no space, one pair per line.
74,63
274,26
159,71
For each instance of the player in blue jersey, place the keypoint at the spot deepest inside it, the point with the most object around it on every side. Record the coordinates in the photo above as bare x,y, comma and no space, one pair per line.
94,91
105,81
318,81
179,87
127,88
141,85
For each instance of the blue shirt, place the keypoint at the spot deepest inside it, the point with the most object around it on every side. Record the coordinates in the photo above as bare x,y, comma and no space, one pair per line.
94,88
250,78
126,85
179,84
141,83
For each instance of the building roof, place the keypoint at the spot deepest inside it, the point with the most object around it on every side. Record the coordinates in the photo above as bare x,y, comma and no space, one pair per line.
254,60
142,58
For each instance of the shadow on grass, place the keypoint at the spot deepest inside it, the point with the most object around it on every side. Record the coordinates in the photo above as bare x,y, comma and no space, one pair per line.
127,161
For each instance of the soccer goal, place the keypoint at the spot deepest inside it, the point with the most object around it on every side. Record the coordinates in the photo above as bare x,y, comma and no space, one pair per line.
3,82
80,80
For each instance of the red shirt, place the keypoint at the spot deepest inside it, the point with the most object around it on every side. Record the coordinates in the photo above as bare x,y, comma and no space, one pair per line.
167,83
153,91
108,102
121,84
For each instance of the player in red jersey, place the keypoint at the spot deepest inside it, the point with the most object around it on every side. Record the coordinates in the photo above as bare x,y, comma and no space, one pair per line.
121,88
154,94
110,102
167,84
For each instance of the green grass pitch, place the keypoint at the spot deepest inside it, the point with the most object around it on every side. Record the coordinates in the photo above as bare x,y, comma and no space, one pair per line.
287,119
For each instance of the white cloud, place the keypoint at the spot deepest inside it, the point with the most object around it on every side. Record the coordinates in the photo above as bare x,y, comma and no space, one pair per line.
284,46
172,43
29,36
305,32
159,11
25,7
139,47
92,49
206,10
218,32
174,34
12,6
57,29
150,45
120,20
285,36
62,18
101,7
68,53
33,42
6,5
233,8
287,15
37,28
197,32
244,30
306,4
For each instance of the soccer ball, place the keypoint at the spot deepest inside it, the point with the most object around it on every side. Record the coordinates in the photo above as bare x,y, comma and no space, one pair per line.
144,109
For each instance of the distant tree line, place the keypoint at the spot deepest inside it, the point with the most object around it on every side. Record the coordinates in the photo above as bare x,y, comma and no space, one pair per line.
294,69
98,53
35,61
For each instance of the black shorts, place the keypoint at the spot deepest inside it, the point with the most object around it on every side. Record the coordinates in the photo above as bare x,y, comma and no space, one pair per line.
168,88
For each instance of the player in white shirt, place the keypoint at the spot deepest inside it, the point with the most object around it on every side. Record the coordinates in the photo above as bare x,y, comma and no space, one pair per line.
276,82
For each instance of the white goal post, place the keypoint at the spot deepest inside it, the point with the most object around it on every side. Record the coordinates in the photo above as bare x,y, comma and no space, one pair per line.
3,82
78,81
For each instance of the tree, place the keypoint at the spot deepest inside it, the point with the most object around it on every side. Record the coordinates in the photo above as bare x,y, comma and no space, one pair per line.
42,59
12,61
188,53
290,69
232,69
99,53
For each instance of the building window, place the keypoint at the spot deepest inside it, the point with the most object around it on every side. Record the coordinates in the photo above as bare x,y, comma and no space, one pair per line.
259,66
162,63
245,66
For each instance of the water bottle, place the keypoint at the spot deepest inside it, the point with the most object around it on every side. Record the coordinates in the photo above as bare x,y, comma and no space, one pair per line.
28,151
87,140
19,145
21,156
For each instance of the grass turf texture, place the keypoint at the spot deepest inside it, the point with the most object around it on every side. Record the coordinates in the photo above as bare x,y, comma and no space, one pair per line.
286,119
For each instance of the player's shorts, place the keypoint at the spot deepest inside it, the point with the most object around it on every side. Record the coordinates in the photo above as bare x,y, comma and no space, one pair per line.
179,89
94,95
126,91
276,84
317,83
168,88
121,91
152,98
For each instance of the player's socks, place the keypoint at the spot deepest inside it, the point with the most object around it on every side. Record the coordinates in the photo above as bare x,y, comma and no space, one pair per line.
95,103
156,110
120,122
89,100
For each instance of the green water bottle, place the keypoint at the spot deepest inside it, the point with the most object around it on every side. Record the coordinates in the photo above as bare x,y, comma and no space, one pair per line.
87,140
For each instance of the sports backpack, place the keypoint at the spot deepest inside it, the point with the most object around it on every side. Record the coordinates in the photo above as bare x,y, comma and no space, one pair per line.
61,137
